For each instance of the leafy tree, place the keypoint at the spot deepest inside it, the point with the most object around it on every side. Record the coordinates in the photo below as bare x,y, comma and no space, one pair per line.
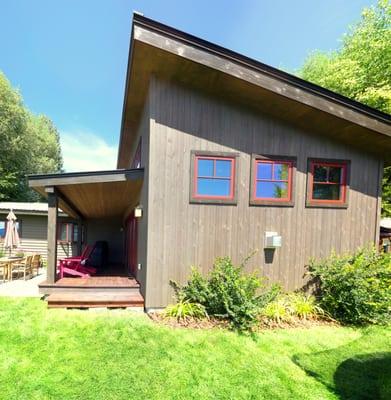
28,144
360,69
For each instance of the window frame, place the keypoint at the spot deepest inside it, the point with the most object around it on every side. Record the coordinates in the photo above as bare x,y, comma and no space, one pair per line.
136,162
274,159
341,203
215,155
70,236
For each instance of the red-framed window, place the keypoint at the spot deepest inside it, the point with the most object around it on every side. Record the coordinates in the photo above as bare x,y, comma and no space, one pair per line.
273,180
68,232
136,163
328,182
214,178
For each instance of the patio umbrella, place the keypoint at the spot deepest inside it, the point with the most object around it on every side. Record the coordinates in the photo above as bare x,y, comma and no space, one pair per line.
11,239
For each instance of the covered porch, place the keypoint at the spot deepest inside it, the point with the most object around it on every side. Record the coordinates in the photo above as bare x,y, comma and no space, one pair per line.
102,203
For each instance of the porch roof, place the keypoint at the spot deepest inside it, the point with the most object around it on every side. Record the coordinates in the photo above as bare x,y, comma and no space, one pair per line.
95,194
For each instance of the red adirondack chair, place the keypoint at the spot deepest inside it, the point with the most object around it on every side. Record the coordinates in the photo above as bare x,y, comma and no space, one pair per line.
77,266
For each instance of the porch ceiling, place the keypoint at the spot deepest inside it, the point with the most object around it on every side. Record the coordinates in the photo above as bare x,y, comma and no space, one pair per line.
96,194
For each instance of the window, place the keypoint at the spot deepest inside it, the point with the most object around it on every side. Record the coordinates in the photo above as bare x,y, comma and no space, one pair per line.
68,232
213,178
136,163
327,183
272,180
3,228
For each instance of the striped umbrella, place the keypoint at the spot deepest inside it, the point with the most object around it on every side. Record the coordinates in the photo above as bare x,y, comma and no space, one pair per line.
11,238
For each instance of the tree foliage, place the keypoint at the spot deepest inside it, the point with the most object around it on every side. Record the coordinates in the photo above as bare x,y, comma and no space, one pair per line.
360,69
28,144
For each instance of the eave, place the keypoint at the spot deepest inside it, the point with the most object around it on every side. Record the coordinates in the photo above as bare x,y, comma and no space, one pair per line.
96,194
167,53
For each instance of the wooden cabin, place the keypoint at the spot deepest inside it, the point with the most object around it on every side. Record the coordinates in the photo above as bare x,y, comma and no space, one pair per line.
221,155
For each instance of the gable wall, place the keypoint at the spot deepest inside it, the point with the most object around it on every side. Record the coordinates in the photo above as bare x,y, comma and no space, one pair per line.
182,234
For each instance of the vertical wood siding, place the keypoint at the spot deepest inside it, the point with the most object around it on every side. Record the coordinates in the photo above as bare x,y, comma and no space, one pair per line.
142,223
181,234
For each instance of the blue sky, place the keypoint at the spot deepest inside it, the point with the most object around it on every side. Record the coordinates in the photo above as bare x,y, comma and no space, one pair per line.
68,57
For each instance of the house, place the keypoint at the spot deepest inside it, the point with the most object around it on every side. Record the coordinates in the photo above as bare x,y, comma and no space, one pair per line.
218,151
32,228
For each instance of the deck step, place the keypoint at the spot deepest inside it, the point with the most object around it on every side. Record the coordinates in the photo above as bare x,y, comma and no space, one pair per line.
94,284
90,300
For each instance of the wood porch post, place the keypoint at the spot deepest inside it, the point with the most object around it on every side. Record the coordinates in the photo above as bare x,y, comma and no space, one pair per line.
52,235
79,236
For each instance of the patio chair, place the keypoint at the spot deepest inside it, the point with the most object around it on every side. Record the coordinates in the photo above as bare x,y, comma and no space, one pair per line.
77,266
36,263
22,267
4,270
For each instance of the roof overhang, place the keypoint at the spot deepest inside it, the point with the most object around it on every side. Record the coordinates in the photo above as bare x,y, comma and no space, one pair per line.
97,194
31,213
167,53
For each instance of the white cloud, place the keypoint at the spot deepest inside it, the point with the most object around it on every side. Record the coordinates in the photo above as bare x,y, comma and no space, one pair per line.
85,151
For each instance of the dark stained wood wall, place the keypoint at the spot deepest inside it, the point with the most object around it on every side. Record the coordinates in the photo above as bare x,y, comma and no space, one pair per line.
143,133
181,234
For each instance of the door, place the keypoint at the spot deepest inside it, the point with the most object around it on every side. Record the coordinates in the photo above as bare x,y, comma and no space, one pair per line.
131,245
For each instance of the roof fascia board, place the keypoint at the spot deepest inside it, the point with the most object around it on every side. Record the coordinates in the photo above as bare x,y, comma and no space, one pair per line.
193,41
259,78
76,178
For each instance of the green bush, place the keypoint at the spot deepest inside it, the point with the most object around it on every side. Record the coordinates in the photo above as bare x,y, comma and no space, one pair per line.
304,306
227,292
276,310
355,289
287,306
184,310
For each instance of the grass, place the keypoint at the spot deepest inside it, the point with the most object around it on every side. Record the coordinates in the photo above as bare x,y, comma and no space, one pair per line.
59,354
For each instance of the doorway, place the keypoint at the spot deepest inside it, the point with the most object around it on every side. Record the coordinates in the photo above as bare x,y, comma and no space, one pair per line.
131,245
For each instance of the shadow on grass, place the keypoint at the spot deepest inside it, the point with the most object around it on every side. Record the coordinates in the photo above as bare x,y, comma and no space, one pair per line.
365,376
359,370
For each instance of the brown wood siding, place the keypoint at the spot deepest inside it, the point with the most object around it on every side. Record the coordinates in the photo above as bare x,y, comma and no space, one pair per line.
34,237
142,223
182,234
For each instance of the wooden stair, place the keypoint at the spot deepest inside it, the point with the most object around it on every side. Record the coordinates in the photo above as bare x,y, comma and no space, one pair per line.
95,299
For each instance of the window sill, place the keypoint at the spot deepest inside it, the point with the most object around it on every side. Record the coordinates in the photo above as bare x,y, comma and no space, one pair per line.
314,204
206,200
271,203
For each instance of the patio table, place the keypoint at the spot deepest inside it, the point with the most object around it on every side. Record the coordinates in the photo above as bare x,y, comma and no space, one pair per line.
9,261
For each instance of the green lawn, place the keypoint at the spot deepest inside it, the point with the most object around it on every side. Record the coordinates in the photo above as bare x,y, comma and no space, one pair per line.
59,354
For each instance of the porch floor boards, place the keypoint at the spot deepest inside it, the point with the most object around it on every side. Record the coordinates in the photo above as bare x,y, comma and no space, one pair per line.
97,282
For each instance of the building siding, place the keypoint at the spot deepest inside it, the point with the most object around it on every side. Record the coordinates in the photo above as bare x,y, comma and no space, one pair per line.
181,234
33,237
142,225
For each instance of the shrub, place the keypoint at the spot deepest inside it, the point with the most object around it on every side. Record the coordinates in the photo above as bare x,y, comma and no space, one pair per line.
184,310
276,310
355,289
304,306
227,292
287,306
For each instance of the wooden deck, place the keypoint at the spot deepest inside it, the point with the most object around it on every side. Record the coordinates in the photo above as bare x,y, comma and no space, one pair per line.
94,291
97,282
